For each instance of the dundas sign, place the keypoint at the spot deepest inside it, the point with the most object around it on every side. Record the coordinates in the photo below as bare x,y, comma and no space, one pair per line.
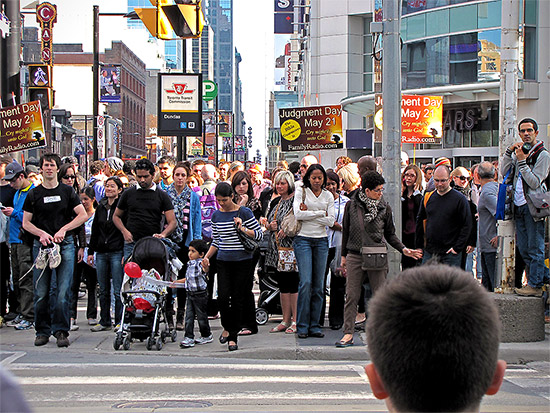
180,104
311,128
21,127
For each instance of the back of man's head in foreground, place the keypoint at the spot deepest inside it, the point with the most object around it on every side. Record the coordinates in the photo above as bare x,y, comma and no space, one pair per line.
433,334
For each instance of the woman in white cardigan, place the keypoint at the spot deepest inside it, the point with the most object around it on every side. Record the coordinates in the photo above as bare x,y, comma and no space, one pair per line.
315,212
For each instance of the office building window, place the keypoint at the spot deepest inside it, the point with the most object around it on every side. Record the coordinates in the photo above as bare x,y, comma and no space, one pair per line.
367,56
488,14
463,58
416,58
437,22
437,61
463,18
488,55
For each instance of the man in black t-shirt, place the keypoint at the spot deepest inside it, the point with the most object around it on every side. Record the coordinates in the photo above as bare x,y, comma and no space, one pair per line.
143,208
51,211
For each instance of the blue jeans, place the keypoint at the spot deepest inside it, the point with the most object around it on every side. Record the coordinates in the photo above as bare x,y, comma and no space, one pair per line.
530,239
451,259
128,249
47,322
311,256
109,265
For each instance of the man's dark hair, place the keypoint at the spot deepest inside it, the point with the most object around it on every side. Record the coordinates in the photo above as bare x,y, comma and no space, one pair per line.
238,178
50,157
294,167
429,167
167,159
96,167
314,167
145,165
529,120
200,245
371,179
224,190
198,162
433,334
129,167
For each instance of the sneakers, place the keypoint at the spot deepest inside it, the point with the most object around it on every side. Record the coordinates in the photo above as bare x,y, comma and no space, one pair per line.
180,326
62,340
41,260
529,291
92,321
73,327
41,340
55,256
204,340
189,342
99,327
15,321
24,325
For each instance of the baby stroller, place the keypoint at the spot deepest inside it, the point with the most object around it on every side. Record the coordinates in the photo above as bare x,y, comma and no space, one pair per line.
143,299
269,302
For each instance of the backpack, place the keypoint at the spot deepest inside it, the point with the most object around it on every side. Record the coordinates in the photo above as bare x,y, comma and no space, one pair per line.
208,206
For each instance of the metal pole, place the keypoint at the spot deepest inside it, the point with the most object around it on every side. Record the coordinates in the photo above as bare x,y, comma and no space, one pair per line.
391,134
217,133
13,49
95,82
508,112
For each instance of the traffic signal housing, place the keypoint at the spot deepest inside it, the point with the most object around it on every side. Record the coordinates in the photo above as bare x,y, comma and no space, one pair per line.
171,19
40,85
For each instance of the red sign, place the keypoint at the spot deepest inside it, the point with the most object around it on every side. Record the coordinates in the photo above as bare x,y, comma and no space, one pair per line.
46,55
46,35
46,13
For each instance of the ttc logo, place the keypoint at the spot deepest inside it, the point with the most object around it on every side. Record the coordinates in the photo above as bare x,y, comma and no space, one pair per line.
179,89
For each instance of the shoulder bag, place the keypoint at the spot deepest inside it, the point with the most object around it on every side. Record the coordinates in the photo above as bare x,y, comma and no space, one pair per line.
290,225
504,199
249,244
374,257
286,261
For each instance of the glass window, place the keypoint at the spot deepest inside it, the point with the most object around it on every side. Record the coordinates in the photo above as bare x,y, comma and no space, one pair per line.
404,23
416,73
437,61
452,139
437,22
488,14
367,82
530,54
488,55
463,18
416,26
531,12
463,58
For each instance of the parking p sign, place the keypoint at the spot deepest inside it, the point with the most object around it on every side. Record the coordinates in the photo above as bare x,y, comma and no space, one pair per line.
209,90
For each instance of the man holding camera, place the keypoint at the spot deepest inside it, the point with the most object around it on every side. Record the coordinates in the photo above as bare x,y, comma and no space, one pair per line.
531,165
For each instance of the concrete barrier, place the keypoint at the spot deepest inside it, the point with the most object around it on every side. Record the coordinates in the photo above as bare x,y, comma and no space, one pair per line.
522,318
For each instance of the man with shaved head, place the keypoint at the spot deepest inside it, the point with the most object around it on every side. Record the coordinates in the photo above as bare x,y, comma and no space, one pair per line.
306,162
366,163
448,221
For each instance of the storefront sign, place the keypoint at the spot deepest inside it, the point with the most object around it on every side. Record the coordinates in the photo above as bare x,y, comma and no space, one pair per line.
421,119
46,16
311,128
21,127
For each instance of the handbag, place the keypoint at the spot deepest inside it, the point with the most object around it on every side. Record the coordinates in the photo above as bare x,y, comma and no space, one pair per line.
290,225
373,257
249,244
286,261
539,207
504,199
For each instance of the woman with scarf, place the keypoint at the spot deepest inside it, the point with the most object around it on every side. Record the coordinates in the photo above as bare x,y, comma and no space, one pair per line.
368,221
187,208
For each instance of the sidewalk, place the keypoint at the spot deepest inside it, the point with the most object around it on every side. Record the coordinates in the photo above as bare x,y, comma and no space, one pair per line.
261,346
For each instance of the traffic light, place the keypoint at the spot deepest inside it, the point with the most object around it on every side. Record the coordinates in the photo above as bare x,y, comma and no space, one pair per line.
171,19
40,85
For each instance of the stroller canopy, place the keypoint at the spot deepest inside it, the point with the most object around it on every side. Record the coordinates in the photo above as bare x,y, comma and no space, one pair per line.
149,253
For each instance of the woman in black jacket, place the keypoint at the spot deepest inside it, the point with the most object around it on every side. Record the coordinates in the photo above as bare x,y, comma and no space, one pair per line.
411,199
107,243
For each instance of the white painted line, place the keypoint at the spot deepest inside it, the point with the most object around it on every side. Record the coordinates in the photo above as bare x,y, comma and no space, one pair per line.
361,371
107,380
180,366
16,355
211,397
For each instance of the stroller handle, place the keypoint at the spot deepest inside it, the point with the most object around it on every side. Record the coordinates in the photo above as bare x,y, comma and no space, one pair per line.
125,294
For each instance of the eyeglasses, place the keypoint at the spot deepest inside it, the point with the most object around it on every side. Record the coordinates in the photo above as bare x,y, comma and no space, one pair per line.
303,166
530,130
462,178
410,175
378,190
69,177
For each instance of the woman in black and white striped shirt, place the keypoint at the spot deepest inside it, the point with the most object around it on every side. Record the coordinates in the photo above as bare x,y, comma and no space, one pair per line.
234,262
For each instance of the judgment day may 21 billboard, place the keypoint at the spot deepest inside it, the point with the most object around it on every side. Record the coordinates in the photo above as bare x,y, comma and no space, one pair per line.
311,128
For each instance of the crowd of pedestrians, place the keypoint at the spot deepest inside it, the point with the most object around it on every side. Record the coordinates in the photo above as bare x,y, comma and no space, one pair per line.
312,229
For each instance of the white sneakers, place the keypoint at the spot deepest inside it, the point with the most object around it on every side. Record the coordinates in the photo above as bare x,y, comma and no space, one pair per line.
48,256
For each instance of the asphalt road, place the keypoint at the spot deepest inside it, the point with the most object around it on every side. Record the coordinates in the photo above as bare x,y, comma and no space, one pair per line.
61,381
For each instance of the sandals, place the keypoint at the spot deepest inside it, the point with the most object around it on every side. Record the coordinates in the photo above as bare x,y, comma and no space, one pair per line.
245,332
280,328
291,329
344,343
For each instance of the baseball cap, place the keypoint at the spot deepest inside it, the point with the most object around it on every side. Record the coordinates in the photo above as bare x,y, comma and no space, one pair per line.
12,170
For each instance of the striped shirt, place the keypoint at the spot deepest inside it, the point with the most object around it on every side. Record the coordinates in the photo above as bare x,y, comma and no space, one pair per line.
224,234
